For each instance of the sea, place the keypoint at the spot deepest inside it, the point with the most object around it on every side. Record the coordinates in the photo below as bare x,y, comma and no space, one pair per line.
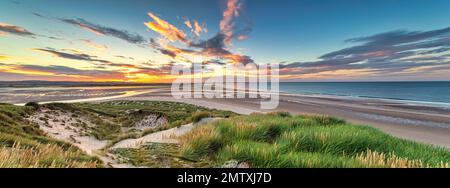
429,93
432,93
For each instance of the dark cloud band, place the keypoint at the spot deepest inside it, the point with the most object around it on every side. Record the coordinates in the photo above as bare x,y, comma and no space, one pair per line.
385,53
16,30
99,29
73,56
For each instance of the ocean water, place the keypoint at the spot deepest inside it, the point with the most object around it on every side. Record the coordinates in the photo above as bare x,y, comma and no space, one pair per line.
434,93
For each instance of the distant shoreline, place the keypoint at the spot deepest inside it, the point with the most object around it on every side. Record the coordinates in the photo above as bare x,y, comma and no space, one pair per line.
72,85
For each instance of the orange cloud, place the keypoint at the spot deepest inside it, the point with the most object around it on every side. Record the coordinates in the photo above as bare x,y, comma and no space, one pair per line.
211,49
125,65
235,58
242,37
188,24
195,27
226,24
199,28
165,29
64,73
19,70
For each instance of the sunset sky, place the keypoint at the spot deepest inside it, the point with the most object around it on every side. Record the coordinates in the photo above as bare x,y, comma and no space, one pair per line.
139,40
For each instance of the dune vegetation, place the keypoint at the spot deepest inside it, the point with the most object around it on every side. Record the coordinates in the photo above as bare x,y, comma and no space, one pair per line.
125,114
176,113
24,145
257,140
282,140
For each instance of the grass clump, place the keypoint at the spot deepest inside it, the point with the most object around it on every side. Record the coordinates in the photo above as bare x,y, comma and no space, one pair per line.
280,114
353,140
106,131
173,111
272,156
198,116
282,140
159,155
35,105
203,143
45,156
12,120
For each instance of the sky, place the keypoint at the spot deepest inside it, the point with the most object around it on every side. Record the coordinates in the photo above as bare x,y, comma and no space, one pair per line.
140,40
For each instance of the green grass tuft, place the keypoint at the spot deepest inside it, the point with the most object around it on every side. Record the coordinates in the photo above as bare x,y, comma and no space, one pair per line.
198,116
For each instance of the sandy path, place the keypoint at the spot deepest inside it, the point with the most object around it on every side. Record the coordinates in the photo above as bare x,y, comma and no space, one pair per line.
63,129
166,136
59,125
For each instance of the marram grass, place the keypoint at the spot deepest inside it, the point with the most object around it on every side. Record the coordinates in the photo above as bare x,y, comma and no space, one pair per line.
36,150
23,145
282,140
44,156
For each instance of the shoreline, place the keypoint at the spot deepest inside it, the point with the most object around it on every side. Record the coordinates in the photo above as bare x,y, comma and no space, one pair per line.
124,89
405,102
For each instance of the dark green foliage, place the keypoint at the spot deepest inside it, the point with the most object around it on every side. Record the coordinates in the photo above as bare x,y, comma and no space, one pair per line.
35,105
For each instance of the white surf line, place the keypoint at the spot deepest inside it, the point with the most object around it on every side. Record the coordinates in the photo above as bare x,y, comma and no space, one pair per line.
127,94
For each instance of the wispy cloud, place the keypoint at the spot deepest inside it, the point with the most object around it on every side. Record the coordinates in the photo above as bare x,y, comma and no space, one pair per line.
61,72
195,27
392,42
383,54
125,57
108,31
160,70
39,15
15,30
73,55
93,44
227,23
